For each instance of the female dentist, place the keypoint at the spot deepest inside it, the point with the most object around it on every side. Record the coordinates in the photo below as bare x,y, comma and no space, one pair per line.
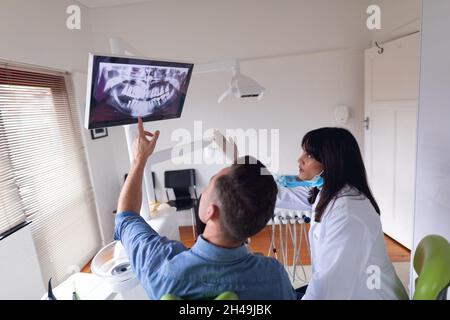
349,258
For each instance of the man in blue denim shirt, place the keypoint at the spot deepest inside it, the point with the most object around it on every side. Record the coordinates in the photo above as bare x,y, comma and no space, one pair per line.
237,203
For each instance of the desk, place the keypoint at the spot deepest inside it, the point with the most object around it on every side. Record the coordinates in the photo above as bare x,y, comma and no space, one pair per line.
92,287
88,286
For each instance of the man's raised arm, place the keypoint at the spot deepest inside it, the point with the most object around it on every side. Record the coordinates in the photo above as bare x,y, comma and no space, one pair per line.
131,195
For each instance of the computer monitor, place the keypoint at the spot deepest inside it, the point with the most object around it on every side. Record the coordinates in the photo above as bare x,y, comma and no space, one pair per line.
121,89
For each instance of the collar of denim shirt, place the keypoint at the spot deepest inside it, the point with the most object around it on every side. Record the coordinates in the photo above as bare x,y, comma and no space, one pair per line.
209,251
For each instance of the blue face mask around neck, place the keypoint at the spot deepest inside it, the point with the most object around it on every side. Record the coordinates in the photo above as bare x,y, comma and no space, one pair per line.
293,181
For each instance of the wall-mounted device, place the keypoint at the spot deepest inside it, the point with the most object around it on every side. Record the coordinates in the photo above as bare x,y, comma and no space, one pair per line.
121,89
341,114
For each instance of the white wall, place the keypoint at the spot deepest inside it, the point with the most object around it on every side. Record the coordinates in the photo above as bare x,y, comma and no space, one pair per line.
204,30
302,89
20,274
398,18
35,32
432,211
294,103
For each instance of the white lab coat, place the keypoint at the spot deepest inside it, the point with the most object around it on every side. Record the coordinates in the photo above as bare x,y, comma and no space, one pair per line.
347,248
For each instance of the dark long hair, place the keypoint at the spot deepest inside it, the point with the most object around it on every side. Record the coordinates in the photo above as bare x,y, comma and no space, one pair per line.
337,150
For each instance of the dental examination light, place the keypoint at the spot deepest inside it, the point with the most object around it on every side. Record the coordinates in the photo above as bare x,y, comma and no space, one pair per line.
240,86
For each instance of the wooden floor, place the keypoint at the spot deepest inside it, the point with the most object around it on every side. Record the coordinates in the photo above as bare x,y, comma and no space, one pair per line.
261,242
87,268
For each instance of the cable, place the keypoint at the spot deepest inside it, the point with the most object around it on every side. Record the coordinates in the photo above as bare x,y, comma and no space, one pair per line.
288,230
271,241
302,226
297,251
283,255
294,259
286,223
297,272
307,241
272,247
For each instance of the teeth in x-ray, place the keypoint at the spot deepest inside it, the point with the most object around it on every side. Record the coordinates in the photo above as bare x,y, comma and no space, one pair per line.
140,97
139,92
141,108
160,93
174,82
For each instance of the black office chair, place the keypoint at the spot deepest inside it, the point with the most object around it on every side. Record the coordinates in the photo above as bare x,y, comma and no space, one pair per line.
181,181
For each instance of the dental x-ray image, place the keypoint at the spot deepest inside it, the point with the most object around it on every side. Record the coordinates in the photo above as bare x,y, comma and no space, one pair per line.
122,89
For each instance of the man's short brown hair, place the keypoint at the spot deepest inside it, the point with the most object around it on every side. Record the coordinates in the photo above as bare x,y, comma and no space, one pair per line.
247,196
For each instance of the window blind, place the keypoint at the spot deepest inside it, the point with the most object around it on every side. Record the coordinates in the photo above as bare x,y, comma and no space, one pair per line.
44,176
11,211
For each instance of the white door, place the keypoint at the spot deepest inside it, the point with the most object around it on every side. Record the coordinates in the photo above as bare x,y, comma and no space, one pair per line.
391,101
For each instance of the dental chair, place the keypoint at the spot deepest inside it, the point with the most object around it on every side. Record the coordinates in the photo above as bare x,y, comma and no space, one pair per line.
432,264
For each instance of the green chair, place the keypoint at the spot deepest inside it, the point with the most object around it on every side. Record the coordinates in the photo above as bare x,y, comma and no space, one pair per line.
432,264
227,295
